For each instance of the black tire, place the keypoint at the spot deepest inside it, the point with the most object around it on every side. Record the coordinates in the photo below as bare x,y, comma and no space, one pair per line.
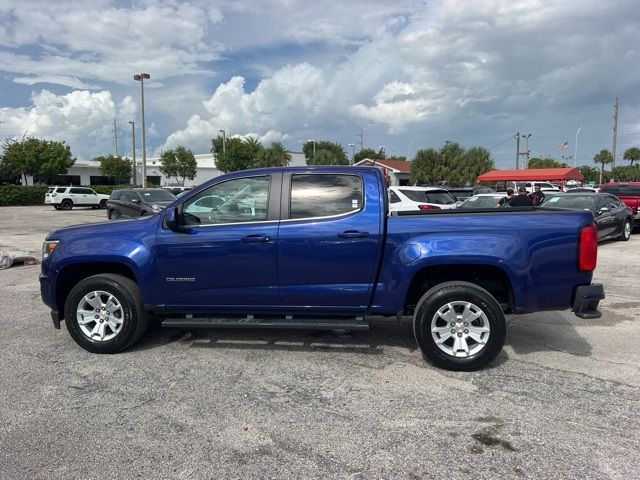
66,204
57,207
144,213
627,227
135,319
439,297
94,207
103,204
113,215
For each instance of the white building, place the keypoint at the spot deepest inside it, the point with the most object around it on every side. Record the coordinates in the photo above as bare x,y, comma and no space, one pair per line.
87,172
397,172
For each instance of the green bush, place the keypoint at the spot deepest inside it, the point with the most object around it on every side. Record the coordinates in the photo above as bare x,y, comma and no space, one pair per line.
107,189
18,195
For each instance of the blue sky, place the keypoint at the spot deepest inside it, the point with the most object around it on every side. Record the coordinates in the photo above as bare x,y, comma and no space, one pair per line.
412,74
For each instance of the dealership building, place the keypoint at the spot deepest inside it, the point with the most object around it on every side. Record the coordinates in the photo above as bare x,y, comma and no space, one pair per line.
87,172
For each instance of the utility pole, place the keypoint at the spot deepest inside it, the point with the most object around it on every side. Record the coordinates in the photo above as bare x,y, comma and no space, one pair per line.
133,146
362,139
517,137
615,132
525,164
115,135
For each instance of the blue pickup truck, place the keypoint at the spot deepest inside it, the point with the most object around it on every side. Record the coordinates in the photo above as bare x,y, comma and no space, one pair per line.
315,248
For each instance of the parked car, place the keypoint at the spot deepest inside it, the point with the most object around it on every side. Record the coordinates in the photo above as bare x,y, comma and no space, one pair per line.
177,190
413,199
629,193
65,198
530,186
137,202
463,193
313,248
583,189
612,217
482,200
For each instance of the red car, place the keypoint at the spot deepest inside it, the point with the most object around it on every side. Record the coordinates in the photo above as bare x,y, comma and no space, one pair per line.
629,193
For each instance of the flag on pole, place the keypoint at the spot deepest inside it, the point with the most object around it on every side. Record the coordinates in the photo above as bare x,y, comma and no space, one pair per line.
564,146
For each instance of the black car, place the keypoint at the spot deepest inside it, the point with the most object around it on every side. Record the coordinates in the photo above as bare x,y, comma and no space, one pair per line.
612,217
137,202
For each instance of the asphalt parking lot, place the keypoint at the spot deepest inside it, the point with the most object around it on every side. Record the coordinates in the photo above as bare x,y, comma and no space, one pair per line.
561,401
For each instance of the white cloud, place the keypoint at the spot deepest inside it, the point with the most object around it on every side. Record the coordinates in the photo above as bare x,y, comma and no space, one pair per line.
107,43
83,119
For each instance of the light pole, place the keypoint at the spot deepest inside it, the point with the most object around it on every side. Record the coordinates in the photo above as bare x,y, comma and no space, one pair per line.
133,146
224,141
353,152
140,78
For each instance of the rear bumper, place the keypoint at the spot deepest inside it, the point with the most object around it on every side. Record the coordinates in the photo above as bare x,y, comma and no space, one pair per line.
586,300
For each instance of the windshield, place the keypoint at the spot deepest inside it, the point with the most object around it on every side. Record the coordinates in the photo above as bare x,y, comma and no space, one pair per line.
438,197
481,202
159,195
573,202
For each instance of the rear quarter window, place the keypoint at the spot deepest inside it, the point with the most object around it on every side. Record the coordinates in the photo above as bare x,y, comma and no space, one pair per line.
61,190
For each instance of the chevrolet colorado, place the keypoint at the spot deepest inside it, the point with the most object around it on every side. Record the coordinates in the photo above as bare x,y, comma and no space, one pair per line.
315,248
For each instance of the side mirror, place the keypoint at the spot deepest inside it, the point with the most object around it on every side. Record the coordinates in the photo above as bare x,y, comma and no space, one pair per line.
171,218
135,200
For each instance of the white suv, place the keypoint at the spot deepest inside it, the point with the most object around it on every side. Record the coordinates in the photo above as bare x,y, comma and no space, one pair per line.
415,199
65,198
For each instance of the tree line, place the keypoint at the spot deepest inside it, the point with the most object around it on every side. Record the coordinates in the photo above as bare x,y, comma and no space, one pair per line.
451,164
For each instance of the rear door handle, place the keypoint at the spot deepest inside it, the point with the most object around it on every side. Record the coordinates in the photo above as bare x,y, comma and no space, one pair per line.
353,234
256,239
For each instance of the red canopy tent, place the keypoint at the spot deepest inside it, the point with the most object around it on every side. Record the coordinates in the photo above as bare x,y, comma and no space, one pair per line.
531,175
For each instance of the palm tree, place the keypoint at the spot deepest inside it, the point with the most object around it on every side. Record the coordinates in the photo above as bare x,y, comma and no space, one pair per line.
280,153
632,154
254,147
602,157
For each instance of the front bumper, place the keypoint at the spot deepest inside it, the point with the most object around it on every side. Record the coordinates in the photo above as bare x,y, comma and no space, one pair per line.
587,298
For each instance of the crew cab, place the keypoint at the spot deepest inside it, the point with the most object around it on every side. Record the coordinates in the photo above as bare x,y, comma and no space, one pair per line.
315,248
65,198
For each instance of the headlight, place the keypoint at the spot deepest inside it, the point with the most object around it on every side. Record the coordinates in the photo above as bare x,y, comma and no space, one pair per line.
48,247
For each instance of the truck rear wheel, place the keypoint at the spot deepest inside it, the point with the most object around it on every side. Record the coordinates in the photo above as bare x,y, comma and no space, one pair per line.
104,313
459,326
67,204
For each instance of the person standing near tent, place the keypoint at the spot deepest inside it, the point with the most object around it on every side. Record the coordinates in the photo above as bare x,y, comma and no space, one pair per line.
522,199
537,197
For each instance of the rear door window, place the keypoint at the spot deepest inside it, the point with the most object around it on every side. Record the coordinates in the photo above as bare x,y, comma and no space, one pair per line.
77,191
324,195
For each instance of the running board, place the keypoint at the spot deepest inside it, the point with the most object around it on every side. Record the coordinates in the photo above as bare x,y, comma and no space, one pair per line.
302,323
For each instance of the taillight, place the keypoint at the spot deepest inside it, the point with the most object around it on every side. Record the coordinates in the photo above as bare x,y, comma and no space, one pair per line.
428,207
588,249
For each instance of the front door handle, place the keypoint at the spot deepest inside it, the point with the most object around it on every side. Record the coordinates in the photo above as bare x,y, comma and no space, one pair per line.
353,234
256,239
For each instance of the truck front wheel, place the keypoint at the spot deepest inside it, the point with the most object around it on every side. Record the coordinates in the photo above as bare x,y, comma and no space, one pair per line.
459,326
104,313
